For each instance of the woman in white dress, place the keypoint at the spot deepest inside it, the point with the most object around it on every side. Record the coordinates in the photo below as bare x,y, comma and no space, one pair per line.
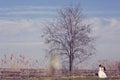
101,73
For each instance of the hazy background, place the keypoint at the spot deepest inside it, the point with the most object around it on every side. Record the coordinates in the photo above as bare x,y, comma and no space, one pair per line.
22,23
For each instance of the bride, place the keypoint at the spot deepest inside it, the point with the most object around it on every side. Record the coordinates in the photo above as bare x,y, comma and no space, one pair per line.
101,73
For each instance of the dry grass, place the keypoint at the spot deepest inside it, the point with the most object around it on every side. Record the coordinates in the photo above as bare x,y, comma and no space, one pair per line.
66,78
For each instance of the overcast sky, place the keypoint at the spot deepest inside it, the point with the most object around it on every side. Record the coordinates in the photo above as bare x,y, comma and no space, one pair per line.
21,26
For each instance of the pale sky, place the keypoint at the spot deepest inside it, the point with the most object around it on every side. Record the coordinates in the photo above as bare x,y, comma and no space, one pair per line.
21,26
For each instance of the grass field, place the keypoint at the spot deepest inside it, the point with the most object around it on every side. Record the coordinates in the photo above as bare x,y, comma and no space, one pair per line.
64,78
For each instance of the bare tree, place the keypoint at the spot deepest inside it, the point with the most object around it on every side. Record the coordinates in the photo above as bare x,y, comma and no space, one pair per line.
111,64
70,36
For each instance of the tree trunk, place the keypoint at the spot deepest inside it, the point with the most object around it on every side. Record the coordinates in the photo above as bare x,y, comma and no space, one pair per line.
70,64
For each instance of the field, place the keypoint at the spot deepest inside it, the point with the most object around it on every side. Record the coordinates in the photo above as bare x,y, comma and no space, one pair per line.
64,78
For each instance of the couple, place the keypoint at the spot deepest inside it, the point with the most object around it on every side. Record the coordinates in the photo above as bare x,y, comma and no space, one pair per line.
101,73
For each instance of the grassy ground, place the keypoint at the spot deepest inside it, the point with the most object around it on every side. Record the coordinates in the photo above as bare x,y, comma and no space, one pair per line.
66,78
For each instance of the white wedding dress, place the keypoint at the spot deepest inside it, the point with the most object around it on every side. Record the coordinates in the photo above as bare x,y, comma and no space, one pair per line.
101,73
